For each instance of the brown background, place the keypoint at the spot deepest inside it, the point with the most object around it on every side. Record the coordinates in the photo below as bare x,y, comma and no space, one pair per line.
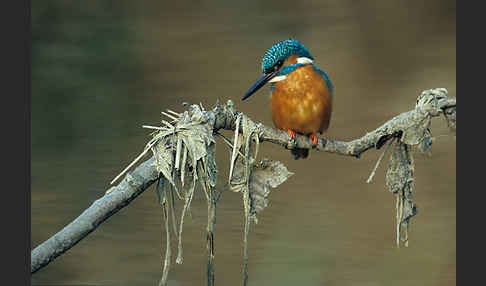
101,69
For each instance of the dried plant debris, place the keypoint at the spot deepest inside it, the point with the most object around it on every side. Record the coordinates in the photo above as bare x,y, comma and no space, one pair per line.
184,151
399,179
400,173
412,132
251,178
265,175
413,127
431,96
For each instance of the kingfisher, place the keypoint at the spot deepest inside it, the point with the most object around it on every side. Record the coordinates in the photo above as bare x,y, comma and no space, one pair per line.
300,93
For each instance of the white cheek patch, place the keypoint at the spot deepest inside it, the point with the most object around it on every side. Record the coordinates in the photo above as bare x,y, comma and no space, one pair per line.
278,78
304,60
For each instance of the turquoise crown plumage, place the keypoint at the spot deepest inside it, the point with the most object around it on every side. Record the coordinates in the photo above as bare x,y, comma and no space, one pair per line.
281,51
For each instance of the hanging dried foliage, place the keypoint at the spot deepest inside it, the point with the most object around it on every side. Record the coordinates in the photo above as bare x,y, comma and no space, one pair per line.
184,152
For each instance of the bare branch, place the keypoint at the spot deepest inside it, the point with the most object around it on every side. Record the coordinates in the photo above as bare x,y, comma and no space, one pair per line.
118,197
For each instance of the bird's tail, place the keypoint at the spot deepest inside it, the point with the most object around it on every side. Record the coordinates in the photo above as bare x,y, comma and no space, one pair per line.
298,153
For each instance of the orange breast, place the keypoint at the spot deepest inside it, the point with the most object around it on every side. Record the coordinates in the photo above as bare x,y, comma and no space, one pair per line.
302,102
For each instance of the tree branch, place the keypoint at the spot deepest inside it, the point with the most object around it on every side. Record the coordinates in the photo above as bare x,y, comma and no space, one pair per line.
115,199
223,116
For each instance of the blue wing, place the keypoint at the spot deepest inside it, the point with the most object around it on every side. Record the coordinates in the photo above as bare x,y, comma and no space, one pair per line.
326,77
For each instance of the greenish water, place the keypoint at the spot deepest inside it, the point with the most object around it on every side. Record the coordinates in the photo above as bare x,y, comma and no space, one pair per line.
101,70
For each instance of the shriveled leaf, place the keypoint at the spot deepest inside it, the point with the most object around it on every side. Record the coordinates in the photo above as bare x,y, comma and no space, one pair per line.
399,179
265,175
400,170
164,159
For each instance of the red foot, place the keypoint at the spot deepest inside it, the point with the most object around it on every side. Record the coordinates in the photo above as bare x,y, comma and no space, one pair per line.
314,139
291,133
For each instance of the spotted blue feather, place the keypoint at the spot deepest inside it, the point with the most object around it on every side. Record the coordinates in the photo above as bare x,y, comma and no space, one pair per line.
326,77
281,51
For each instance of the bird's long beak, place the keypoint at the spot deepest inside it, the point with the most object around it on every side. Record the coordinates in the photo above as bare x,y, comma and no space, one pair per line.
261,81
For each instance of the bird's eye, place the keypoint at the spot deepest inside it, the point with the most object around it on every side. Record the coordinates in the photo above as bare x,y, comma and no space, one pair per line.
275,67
278,65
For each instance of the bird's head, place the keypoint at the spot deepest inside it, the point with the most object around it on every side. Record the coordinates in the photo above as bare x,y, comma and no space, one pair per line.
274,59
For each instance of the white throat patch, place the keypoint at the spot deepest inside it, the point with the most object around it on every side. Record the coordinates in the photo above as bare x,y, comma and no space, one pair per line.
304,60
278,78
301,60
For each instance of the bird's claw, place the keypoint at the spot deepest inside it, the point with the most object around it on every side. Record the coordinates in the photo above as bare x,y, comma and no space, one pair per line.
291,133
314,139
292,143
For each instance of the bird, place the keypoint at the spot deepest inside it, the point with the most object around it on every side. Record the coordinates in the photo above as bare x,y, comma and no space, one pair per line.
301,94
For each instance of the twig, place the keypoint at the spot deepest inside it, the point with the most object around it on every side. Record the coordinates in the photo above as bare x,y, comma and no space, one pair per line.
378,162
173,112
228,143
152,127
170,116
147,148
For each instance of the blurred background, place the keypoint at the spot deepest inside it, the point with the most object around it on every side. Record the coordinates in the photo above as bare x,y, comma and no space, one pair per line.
102,69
